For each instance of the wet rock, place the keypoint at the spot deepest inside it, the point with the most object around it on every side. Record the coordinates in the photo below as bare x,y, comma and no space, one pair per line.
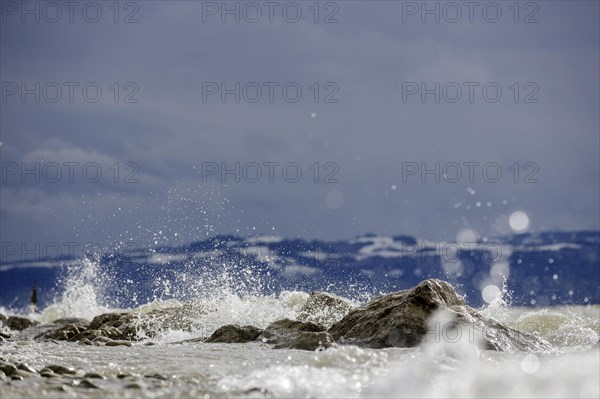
85,341
401,319
25,367
24,374
47,373
4,336
283,332
156,376
58,369
72,320
119,326
7,369
118,343
324,308
308,341
64,332
235,334
86,384
93,375
19,323
184,317
2,376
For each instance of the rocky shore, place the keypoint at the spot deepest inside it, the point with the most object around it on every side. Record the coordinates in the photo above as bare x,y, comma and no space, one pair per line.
401,319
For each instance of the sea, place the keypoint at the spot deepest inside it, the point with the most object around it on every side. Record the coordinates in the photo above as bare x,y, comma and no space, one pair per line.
542,283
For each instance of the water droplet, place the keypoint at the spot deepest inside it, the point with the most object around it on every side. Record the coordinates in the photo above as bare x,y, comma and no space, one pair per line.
530,364
519,221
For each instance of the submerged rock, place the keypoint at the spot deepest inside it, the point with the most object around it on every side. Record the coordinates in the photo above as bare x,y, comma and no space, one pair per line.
235,334
401,319
324,308
308,341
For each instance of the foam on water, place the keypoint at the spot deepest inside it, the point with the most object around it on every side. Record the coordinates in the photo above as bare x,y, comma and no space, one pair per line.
198,302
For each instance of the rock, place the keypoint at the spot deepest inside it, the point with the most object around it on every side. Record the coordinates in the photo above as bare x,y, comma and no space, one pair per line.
156,376
234,334
308,341
7,369
47,373
72,320
119,326
118,343
86,384
184,317
2,376
58,369
25,367
23,373
93,375
283,332
19,323
401,319
64,332
324,308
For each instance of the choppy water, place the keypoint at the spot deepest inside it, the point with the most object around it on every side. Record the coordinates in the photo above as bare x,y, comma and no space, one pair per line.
439,368
442,367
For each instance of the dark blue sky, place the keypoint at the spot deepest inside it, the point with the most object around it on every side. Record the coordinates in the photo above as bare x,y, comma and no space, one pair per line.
361,120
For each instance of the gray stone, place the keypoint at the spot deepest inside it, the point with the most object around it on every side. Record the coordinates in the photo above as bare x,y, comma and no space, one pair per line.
283,332
72,320
86,384
93,375
58,369
324,308
19,323
234,334
25,367
62,332
118,343
401,319
24,374
308,341
7,369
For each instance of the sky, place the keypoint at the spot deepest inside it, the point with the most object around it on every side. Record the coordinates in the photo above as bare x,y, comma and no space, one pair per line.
165,122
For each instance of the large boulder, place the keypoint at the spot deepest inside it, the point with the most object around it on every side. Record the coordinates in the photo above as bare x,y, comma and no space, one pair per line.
235,334
324,308
401,319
